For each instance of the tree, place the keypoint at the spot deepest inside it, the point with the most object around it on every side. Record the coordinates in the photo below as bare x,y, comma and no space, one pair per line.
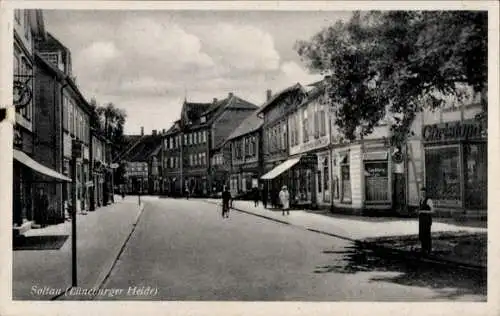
398,62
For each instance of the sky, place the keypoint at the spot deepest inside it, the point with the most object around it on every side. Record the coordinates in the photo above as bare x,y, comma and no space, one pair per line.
148,62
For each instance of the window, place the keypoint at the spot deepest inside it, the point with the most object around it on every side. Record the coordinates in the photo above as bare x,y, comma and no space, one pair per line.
305,127
17,15
27,26
203,119
442,168
345,175
322,120
476,175
185,139
316,120
376,180
283,135
191,160
203,158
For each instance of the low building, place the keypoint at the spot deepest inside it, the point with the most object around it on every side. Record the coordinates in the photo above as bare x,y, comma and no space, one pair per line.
137,159
448,155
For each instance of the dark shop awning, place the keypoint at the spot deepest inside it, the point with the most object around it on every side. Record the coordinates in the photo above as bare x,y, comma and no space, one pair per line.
36,166
280,169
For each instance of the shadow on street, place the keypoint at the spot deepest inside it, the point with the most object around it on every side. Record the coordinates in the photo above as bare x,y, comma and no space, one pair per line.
449,282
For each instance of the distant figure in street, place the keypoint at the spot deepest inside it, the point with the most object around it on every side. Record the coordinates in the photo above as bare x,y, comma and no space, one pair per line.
123,193
226,199
425,221
285,200
256,196
187,193
264,197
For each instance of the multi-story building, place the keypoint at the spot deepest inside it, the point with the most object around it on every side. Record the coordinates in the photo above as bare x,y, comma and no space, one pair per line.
74,117
309,137
194,139
276,163
246,155
29,173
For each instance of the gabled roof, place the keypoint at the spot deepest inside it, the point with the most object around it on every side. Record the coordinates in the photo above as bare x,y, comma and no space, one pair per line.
143,149
275,97
249,125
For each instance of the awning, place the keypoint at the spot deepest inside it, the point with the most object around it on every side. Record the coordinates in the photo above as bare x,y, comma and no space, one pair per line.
381,155
280,169
29,162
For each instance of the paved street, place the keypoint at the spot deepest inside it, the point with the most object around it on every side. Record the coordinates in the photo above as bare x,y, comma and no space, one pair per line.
185,250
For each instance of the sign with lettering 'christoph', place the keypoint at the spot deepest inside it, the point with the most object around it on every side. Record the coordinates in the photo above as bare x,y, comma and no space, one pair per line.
466,130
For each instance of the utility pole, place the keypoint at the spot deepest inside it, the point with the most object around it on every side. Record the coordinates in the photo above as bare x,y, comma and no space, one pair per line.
76,153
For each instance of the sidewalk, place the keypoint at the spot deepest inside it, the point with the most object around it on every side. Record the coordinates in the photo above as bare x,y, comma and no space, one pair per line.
43,274
367,231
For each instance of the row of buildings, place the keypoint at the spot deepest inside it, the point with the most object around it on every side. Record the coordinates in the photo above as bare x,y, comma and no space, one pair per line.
56,116
292,140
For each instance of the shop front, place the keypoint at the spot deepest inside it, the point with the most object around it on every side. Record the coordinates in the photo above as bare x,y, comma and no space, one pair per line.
456,174
361,178
299,175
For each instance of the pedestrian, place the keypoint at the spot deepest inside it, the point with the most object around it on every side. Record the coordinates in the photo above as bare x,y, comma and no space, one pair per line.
187,193
41,207
284,196
226,199
264,197
426,208
256,196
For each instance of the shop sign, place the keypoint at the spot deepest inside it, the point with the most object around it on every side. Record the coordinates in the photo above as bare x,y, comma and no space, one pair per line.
378,170
466,130
312,144
310,159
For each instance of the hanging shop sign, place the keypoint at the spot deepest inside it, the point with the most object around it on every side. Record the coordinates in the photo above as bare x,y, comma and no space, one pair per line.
22,93
465,130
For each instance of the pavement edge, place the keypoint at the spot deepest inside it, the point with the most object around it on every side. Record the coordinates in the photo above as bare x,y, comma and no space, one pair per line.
406,255
108,267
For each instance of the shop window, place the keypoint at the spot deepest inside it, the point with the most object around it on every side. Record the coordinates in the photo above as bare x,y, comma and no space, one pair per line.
476,176
376,178
345,175
442,168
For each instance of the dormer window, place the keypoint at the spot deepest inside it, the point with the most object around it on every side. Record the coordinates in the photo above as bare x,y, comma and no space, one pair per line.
203,119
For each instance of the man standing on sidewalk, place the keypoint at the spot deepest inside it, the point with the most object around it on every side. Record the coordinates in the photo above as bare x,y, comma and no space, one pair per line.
285,200
425,221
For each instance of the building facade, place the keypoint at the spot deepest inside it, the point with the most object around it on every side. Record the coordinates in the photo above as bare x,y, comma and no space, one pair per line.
75,121
29,175
100,161
191,143
448,155
246,155
309,139
275,140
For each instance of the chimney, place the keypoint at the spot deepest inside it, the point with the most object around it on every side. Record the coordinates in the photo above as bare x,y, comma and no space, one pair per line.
163,131
269,93
215,100
230,95
154,132
142,130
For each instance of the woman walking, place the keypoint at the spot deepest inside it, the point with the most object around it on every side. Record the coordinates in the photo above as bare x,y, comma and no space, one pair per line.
285,200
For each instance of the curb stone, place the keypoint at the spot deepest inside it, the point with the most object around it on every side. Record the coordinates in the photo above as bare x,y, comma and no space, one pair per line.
376,246
106,271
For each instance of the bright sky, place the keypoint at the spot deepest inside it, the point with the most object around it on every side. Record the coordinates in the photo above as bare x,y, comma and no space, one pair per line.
145,61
